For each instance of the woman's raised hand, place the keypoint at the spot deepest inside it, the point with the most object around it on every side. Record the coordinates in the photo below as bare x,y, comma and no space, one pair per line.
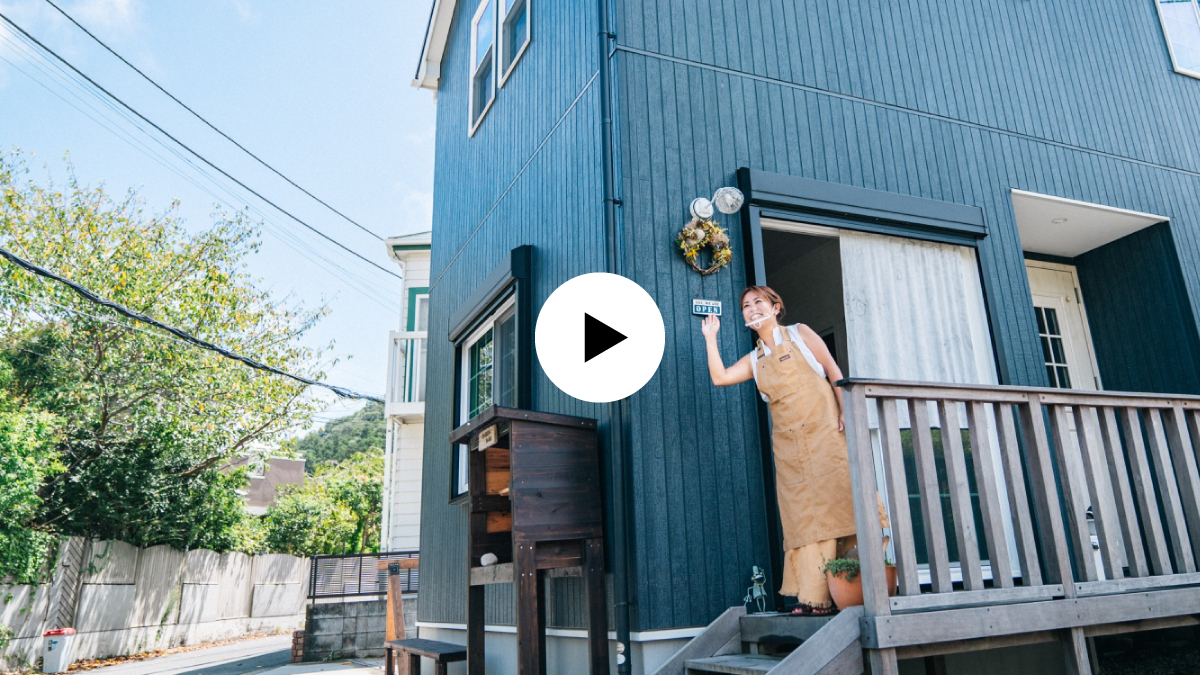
710,326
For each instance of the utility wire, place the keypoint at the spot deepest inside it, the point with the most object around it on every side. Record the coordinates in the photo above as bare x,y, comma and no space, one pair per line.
352,280
210,124
183,335
202,158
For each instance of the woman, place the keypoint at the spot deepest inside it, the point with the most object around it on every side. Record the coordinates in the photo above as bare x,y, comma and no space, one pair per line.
795,373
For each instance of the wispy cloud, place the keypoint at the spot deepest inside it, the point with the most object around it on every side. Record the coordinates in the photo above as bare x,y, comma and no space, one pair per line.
119,15
246,12
416,209
422,136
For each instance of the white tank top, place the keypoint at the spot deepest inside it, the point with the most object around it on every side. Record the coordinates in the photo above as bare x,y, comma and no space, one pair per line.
794,334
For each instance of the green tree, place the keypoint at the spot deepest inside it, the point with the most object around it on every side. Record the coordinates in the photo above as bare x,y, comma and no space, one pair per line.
144,419
336,511
27,457
361,432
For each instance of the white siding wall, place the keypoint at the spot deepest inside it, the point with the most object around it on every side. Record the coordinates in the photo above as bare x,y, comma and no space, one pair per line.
404,527
402,485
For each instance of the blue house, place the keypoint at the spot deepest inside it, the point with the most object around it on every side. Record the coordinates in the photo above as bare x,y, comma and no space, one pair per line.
991,212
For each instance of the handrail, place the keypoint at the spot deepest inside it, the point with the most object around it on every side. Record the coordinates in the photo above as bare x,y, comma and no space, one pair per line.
1116,456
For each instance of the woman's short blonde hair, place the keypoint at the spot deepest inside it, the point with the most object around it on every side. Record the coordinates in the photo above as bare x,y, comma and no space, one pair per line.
766,292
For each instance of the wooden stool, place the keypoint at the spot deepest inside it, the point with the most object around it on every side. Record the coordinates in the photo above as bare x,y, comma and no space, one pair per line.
411,652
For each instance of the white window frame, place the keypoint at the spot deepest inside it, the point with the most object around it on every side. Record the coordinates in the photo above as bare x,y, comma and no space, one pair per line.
1167,36
501,36
421,299
464,405
475,118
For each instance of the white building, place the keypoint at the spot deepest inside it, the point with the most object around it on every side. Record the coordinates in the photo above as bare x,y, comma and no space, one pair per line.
405,410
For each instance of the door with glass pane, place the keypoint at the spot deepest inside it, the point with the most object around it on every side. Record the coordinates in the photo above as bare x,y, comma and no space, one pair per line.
1062,326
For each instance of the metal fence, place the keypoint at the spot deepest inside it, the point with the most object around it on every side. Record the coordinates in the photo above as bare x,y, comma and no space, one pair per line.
340,576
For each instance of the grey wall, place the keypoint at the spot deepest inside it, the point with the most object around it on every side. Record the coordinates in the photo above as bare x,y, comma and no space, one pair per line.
354,628
129,599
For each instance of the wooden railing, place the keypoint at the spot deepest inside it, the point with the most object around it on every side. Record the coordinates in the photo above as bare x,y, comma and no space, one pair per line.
1128,460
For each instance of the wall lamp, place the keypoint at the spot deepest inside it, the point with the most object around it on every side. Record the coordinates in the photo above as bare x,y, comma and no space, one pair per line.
727,200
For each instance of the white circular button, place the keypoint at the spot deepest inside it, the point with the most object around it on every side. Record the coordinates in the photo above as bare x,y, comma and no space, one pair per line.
599,337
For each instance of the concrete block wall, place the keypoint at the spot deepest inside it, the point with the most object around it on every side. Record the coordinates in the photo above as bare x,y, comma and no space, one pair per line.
129,600
352,629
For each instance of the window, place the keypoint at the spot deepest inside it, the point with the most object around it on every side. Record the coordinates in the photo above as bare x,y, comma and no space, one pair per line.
489,374
1181,23
483,62
421,312
1053,352
514,34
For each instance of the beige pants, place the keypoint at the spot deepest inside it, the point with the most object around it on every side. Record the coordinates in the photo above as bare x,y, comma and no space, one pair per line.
804,567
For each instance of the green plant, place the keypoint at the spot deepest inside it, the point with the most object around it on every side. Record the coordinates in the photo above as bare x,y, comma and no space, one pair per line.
847,568
6,635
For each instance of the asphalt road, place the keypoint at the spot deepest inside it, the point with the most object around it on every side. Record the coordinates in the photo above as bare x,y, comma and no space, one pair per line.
237,658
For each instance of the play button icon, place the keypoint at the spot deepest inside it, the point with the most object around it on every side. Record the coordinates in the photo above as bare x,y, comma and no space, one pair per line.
599,337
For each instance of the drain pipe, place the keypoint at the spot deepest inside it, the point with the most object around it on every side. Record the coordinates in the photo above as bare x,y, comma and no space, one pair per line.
617,410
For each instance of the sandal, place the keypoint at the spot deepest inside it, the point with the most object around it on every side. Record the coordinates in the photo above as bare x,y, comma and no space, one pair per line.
803,609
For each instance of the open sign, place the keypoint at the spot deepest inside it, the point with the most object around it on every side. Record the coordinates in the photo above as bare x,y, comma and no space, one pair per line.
706,307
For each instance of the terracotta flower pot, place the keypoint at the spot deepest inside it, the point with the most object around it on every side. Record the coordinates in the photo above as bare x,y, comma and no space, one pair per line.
849,593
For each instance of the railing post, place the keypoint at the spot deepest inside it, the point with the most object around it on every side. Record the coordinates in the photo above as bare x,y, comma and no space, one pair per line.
1045,494
866,519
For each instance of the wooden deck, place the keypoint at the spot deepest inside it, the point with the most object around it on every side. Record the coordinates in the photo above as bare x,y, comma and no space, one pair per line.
1039,461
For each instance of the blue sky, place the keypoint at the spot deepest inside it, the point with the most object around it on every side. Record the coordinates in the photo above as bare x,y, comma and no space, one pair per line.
320,90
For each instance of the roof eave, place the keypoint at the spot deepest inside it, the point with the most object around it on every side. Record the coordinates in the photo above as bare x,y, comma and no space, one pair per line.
429,68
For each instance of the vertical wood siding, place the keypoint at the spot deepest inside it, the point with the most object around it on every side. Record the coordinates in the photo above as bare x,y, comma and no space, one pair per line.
529,175
949,101
1144,333
959,102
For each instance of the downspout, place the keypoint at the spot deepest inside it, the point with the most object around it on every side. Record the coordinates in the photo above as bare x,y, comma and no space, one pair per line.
617,409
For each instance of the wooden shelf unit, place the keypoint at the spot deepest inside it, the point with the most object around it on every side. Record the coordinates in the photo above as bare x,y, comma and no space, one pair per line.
534,501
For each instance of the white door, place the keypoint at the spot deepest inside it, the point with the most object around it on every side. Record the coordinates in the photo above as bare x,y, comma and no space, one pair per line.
1062,326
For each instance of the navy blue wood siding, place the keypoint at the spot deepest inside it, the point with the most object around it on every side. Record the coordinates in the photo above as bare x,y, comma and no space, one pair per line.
529,175
958,102
1143,330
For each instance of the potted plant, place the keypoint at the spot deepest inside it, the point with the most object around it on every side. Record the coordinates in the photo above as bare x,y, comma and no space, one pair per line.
845,584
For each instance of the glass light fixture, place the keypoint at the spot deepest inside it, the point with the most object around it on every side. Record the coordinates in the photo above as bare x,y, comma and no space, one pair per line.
727,200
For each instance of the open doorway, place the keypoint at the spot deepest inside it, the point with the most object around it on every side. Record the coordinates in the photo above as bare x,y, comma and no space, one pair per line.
805,267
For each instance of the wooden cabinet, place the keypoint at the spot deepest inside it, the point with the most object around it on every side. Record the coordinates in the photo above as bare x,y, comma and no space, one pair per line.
534,501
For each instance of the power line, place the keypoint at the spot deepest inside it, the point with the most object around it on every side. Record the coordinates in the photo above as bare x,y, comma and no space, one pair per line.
183,335
210,124
202,158
351,279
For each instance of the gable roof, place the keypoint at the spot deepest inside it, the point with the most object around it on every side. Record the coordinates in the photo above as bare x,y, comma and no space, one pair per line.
437,31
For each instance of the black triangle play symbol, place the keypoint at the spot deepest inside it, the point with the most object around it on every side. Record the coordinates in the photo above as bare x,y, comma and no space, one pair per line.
598,337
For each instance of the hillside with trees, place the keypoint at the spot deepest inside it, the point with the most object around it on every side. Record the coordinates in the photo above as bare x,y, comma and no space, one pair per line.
362,432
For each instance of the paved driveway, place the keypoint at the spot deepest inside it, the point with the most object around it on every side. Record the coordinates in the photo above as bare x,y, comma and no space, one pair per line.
237,658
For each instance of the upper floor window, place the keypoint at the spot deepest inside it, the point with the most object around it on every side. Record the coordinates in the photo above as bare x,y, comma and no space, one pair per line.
483,61
1181,23
514,34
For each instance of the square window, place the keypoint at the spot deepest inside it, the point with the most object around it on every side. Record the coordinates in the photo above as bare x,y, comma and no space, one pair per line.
1181,24
514,34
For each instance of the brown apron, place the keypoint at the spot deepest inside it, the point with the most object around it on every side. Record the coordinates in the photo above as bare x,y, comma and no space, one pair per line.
812,468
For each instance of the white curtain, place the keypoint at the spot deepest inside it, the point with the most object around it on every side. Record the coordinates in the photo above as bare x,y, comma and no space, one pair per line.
914,311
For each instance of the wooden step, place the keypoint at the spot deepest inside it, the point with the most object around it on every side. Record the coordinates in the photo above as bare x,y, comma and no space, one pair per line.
780,628
734,664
